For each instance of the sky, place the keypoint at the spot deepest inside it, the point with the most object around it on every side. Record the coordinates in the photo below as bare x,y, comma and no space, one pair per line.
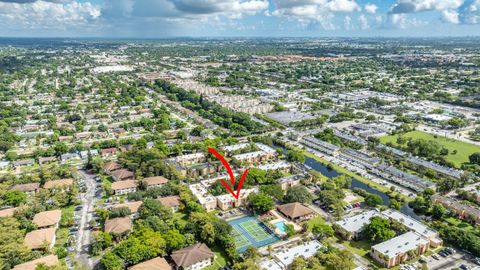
239,18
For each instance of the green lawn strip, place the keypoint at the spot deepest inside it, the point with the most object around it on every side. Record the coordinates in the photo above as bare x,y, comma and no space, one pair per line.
358,177
180,218
314,221
361,247
464,149
460,224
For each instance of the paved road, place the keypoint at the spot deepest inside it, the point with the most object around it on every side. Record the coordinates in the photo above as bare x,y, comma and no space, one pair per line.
84,234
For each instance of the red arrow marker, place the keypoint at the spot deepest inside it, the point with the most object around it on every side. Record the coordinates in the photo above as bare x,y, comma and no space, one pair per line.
230,173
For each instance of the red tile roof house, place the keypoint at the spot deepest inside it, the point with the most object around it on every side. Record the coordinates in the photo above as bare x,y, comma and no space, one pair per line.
59,184
156,181
194,257
124,187
30,188
111,166
48,219
50,260
171,201
40,239
122,175
108,152
157,263
119,226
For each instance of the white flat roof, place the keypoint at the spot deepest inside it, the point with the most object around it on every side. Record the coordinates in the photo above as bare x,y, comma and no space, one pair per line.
306,250
400,244
230,148
355,223
274,166
410,223
270,265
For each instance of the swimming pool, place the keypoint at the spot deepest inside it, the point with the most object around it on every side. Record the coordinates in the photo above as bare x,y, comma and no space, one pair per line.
281,226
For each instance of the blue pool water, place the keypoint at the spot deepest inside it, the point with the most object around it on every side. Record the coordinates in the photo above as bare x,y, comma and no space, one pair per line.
280,226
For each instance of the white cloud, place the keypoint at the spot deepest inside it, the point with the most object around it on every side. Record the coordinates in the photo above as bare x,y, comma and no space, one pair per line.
402,21
343,6
450,16
314,11
469,13
410,6
363,22
371,8
347,21
52,16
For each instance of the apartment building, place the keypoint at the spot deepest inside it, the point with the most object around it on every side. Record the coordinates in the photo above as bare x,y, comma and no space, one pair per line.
124,187
322,146
399,249
194,257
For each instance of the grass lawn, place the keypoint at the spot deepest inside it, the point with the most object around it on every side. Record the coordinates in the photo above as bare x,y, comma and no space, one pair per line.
460,224
464,150
314,221
220,259
361,247
180,218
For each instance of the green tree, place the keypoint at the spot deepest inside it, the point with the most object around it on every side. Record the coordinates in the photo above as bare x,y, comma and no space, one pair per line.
378,230
298,194
251,253
260,203
438,211
289,230
373,200
14,198
295,156
322,231
110,261
475,158
298,263
275,191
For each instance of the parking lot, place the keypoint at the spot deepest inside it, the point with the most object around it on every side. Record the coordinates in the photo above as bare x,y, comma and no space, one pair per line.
453,261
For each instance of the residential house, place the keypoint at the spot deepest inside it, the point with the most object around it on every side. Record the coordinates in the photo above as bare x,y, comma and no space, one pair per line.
40,239
111,166
30,188
133,206
124,187
50,261
194,257
157,263
173,202
156,181
60,184
108,152
8,212
47,219
23,163
118,225
461,210
122,175
46,160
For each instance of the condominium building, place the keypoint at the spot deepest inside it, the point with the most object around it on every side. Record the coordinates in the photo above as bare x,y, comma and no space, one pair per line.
399,249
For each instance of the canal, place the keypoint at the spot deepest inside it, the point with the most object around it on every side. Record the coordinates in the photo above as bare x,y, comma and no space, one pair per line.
330,173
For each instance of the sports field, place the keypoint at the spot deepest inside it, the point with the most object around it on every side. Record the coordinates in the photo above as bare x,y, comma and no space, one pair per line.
248,231
464,149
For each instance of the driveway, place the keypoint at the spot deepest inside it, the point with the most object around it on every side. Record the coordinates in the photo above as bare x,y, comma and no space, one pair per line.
86,215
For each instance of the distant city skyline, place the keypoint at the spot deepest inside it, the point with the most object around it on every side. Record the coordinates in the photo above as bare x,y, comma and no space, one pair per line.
246,18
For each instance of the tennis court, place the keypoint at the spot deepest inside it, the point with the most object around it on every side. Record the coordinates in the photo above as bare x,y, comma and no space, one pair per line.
248,231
